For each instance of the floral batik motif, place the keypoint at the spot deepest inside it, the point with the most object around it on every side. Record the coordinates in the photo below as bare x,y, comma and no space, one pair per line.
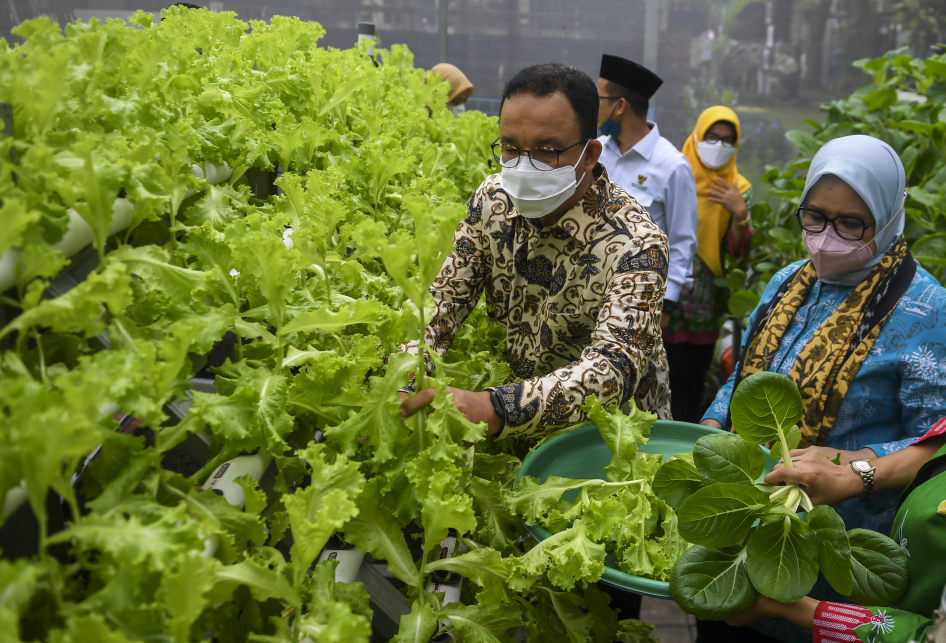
581,302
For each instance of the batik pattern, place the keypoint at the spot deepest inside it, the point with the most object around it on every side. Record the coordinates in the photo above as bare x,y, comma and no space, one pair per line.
580,300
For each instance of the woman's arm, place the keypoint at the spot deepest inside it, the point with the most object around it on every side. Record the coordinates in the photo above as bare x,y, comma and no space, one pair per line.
801,612
827,483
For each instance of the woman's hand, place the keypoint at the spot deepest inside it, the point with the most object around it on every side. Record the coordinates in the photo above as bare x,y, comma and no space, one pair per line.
801,612
825,482
764,608
730,198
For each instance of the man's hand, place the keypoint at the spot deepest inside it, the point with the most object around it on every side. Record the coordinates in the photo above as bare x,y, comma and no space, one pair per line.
477,407
826,483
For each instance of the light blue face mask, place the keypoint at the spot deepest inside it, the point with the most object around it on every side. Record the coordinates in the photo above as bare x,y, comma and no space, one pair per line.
610,127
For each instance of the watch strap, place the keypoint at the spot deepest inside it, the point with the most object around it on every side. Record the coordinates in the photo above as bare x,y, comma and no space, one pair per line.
498,407
867,477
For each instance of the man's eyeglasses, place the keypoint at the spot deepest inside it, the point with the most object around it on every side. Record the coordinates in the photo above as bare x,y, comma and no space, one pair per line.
542,158
727,141
850,228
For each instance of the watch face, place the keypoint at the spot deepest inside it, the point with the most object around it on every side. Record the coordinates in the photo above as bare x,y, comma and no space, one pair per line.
861,465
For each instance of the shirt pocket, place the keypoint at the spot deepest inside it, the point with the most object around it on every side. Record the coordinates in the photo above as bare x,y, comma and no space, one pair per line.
574,329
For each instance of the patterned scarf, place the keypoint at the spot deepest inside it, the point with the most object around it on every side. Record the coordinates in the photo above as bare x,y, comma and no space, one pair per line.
831,358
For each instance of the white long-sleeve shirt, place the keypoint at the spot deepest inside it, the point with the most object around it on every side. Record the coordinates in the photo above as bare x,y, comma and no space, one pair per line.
659,176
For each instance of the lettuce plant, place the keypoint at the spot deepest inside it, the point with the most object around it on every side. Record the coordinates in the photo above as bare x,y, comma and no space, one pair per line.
310,258
621,515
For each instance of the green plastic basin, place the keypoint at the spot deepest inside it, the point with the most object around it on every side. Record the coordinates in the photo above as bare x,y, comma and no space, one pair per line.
582,454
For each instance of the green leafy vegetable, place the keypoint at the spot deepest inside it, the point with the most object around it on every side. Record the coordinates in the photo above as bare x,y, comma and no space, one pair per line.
727,458
879,567
764,406
713,584
834,547
676,481
781,559
748,538
720,514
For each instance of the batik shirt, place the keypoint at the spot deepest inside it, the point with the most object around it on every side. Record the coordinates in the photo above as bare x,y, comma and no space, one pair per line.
581,302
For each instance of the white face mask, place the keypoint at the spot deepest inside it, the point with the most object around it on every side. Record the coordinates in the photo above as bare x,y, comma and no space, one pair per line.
536,193
457,109
714,155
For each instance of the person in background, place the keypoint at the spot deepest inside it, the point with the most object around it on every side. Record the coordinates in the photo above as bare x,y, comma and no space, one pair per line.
658,176
723,197
650,169
571,265
460,87
919,528
860,328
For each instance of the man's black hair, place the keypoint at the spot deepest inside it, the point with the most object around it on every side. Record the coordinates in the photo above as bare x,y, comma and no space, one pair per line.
546,79
639,104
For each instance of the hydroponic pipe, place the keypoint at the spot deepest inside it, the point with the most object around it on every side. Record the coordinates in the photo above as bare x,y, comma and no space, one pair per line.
79,233
221,482
348,556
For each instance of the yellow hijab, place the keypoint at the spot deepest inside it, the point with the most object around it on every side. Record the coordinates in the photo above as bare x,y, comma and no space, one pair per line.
713,219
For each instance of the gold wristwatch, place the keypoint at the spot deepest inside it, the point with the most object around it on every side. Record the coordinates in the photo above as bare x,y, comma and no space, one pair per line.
865,470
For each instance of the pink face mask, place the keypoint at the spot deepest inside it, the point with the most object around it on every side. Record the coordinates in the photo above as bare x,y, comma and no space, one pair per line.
833,255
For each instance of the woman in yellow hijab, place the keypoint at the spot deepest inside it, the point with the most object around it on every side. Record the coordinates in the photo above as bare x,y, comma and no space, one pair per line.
723,197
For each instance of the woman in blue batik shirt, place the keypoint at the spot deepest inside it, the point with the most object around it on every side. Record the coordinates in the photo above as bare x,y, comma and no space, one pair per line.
860,328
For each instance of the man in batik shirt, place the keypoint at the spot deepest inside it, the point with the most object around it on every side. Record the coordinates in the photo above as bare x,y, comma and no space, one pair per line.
572,266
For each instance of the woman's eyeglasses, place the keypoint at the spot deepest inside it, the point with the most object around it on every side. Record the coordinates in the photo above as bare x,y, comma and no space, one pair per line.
542,158
727,141
850,228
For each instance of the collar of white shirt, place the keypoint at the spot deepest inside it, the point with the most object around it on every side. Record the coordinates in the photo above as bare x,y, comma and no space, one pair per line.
645,147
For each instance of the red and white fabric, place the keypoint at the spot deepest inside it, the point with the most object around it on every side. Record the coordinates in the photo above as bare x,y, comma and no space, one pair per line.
835,622
938,429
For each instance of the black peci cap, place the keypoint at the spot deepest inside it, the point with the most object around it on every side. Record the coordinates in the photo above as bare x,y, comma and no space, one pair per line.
629,74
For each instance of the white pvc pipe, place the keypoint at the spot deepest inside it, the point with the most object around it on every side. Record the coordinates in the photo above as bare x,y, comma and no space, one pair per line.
222,477
222,480
79,233
77,236
349,562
